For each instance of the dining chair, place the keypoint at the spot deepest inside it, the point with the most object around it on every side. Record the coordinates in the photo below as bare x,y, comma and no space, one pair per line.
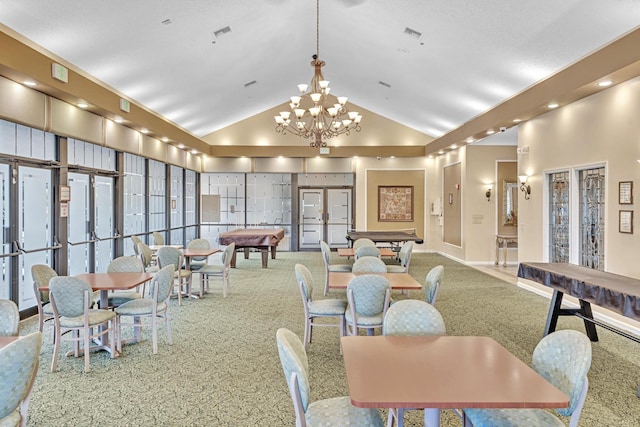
71,301
147,257
156,306
9,318
368,298
218,270
404,256
410,317
369,264
158,238
199,261
136,241
366,250
563,358
168,255
125,264
317,309
432,283
363,242
42,274
333,411
19,362
338,268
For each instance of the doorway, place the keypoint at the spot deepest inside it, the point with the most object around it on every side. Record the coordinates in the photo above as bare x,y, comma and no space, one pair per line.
325,214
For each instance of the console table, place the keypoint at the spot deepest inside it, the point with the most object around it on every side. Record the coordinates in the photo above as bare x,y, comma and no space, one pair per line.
503,241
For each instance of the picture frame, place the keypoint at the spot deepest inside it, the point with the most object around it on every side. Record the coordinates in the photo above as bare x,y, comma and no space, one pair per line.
395,203
625,192
625,222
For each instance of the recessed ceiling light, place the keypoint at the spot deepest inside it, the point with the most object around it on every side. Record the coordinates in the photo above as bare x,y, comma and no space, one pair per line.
165,139
393,157
605,83
30,83
491,132
517,120
118,120
553,105
144,130
454,146
470,140
194,151
82,104
180,145
441,152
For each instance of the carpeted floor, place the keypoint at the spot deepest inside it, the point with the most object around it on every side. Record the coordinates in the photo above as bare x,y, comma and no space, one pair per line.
223,368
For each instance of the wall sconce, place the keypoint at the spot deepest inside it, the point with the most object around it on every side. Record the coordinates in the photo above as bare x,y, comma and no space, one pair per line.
526,189
487,194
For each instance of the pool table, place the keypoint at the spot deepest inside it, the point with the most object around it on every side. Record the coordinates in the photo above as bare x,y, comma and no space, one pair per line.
260,239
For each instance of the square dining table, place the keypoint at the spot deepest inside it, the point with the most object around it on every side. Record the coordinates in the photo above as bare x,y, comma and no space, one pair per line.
350,252
442,372
401,281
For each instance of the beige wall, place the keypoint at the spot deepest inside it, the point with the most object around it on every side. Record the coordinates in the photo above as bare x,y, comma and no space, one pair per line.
452,204
601,129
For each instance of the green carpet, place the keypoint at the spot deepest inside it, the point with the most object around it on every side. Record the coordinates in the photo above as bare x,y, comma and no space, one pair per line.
223,368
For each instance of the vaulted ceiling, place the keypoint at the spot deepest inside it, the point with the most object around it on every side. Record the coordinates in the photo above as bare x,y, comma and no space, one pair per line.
448,69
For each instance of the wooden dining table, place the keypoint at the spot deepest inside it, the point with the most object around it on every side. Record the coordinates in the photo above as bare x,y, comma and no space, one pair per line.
400,281
441,372
350,252
189,254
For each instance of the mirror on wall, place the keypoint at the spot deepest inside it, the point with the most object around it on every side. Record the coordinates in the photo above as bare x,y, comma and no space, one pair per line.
509,203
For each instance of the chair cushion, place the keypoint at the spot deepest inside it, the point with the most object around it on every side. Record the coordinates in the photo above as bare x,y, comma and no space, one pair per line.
327,307
47,309
364,321
182,273
339,411
211,269
512,417
340,268
139,307
120,297
396,269
11,420
96,317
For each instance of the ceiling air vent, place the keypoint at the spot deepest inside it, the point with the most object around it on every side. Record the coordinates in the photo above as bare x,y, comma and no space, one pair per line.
167,22
221,32
385,84
413,33
251,83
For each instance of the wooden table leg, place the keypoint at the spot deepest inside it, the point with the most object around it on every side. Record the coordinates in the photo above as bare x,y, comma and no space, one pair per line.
265,256
246,253
273,252
233,259
497,250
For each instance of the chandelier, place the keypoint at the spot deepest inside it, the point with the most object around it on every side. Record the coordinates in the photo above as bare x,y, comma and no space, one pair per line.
314,114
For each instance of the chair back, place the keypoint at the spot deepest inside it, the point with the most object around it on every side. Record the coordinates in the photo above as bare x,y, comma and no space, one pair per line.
228,254
41,274
18,367
163,280
294,362
199,244
305,280
146,254
158,238
69,296
363,242
413,317
364,251
168,255
432,283
136,241
9,318
405,254
564,358
125,264
368,295
326,254
369,264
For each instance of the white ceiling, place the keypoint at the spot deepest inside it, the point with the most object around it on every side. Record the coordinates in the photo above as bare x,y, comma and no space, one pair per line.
472,55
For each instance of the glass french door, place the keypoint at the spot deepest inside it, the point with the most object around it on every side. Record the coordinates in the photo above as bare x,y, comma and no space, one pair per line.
325,214
7,245
91,223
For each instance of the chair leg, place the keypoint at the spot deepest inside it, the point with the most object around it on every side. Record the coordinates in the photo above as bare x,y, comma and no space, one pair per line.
87,368
56,349
113,324
307,330
119,332
179,291
154,332
168,326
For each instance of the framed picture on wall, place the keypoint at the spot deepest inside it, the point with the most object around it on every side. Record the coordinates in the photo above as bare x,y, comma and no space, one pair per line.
625,192
395,203
625,224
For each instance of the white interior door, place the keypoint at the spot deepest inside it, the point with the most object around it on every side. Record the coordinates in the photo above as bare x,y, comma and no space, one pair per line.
104,222
311,217
339,216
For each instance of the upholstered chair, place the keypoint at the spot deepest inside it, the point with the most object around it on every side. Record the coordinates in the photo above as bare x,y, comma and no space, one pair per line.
19,362
369,264
563,358
316,309
9,318
404,256
432,283
168,255
368,296
125,264
149,261
218,270
155,307
362,242
136,241
328,412
367,250
411,317
200,261
71,301
338,268
158,238
41,275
